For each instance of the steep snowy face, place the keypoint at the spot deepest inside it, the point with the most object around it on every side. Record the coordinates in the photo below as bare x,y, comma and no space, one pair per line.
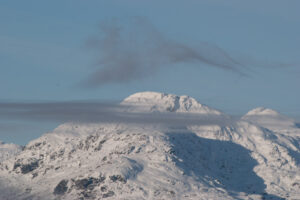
269,118
8,150
161,102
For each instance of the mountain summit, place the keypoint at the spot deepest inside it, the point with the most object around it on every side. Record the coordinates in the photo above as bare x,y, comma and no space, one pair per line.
161,102
269,118
262,111
244,160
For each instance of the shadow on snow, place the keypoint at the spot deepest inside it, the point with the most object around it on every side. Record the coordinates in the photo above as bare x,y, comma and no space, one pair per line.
218,163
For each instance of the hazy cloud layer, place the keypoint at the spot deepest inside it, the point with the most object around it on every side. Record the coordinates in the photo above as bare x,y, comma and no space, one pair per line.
136,49
93,112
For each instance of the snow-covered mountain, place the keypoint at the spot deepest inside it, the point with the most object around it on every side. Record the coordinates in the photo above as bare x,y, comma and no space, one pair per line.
270,119
161,102
244,160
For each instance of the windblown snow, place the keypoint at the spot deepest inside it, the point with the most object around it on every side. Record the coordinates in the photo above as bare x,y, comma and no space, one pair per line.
255,157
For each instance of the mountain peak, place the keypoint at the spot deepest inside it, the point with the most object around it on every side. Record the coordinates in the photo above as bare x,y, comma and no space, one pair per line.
163,102
262,111
147,95
269,118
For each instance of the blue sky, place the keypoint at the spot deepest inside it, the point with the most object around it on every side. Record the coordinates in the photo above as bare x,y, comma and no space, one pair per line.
43,56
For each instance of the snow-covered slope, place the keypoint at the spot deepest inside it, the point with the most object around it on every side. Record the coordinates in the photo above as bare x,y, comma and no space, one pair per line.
142,161
8,150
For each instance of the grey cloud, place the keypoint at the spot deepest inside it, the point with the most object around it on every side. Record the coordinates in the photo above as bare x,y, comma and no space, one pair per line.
136,50
95,112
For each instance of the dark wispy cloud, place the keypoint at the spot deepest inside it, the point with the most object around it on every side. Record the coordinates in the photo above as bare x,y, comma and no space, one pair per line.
95,112
136,49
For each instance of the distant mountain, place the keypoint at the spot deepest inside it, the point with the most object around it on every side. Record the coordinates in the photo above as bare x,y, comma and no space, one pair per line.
261,111
244,160
269,118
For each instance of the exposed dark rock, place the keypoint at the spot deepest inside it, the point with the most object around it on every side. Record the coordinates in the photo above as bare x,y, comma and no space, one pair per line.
45,171
35,175
88,183
88,142
26,168
115,178
88,195
29,167
53,156
108,194
103,188
102,141
172,193
28,190
138,150
156,193
82,184
80,145
61,152
99,147
16,165
131,149
37,144
101,179
296,185
104,158
61,188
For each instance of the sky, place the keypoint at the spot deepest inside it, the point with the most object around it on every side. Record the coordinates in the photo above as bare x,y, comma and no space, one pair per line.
230,55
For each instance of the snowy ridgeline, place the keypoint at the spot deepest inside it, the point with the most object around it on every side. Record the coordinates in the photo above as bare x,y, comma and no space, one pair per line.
257,157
